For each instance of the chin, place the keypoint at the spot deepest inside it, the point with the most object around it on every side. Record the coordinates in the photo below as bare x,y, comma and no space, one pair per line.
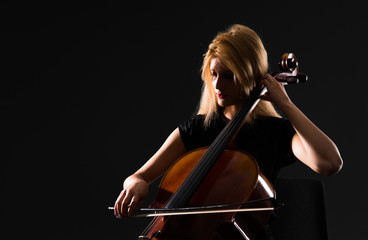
221,103
224,103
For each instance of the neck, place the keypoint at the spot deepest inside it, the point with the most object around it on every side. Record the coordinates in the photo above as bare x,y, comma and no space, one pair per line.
230,111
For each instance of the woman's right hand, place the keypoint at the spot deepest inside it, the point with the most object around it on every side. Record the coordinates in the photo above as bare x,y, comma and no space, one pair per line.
136,186
131,197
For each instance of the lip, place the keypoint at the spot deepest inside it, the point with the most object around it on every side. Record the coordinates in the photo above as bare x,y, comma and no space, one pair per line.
221,96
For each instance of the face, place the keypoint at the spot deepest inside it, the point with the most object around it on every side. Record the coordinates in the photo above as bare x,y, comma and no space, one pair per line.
228,92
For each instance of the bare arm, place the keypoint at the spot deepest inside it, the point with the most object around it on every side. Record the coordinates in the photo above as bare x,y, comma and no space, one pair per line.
170,151
136,186
310,145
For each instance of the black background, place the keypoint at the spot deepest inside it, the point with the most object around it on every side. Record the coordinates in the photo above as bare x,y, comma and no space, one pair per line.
89,91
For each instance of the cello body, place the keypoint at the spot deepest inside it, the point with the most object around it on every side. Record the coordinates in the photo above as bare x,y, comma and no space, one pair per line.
234,178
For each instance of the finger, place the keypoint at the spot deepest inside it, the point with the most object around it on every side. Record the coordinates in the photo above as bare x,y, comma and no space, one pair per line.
266,97
118,203
262,83
270,77
271,83
133,206
125,204
267,78
116,207
274,80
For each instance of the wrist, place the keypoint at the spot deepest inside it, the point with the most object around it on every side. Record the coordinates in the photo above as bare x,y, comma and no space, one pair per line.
133,179
287,107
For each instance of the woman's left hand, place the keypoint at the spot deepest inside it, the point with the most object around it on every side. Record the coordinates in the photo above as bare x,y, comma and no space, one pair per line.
275,92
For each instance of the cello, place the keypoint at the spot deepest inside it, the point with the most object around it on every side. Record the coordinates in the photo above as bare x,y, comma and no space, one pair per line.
202,178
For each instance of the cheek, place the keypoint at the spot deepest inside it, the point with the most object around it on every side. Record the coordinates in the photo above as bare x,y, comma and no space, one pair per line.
213,84
235,90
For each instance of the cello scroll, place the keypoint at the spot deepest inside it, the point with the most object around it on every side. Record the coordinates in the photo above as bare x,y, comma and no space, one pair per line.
289,66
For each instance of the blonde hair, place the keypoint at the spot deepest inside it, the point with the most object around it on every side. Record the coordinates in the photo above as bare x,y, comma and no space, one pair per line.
241,50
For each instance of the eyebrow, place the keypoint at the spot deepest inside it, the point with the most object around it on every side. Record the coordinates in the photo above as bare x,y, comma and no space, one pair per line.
226,71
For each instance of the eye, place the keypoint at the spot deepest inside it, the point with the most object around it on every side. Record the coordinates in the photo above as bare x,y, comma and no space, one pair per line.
213,74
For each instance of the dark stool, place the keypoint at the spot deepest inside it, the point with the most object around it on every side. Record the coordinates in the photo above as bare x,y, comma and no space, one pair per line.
304,213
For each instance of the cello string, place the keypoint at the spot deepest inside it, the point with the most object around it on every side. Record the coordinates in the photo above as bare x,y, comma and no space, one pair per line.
217,147
210,157
197,174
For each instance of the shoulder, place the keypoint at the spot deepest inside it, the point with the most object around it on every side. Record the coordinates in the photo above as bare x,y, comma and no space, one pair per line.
272,120
269,127
190,129
193,122
270,123
197,123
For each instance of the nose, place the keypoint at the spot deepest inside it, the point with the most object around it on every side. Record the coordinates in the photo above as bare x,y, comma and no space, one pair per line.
218,83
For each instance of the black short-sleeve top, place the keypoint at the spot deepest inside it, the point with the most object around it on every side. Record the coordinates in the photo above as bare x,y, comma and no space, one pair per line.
267,139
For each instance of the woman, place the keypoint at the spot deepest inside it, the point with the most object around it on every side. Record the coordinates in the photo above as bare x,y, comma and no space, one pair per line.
235,61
